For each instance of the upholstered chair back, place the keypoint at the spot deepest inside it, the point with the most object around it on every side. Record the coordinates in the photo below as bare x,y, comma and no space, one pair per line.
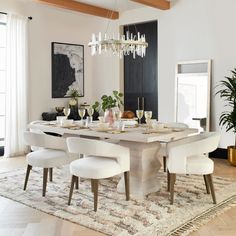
194,146
44,140
100,148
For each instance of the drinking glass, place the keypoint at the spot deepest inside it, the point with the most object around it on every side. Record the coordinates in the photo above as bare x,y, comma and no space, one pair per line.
81,113
90,111
117,115
148,117
66,112
139,114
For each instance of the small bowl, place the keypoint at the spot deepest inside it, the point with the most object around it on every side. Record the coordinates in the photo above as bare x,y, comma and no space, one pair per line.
101,119
157,125
59,109
103,125
60,119
67,122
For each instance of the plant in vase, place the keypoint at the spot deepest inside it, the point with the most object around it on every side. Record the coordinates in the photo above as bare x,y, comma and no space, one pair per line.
73,102
108,103
228,118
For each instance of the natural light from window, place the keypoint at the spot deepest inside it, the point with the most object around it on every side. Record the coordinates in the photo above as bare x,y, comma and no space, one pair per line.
2,77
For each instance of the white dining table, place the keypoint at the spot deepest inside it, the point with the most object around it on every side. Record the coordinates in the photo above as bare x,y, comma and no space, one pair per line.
145,150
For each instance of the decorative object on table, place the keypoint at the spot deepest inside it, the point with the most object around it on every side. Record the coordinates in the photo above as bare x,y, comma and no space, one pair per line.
49,116
59,109
128,115
150,216
108,103
121,45
67,69
228,118
74,95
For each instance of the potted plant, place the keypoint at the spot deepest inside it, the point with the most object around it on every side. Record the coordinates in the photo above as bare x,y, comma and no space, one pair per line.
74,95
108,103
228,118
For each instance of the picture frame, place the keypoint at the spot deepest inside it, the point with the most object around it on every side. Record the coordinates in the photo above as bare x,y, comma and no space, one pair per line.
67,69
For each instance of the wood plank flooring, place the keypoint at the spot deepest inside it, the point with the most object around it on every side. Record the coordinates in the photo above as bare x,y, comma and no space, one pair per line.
19,220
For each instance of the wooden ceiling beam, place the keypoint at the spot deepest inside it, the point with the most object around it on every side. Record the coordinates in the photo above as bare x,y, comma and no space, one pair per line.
82,7
160,4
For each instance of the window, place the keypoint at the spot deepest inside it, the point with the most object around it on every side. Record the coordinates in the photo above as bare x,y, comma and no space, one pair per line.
2,77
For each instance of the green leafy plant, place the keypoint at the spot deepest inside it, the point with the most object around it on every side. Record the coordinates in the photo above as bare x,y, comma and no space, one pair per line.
108,102
228,94
74,93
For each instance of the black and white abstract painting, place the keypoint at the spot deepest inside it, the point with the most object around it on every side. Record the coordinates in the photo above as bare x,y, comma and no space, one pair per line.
67,69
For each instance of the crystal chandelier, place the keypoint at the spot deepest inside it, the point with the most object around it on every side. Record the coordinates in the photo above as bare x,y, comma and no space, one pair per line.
121,45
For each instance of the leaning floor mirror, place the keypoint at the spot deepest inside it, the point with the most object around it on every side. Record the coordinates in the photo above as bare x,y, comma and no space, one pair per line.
193,85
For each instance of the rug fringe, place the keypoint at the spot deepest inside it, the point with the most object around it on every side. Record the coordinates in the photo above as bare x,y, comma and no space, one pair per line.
195,223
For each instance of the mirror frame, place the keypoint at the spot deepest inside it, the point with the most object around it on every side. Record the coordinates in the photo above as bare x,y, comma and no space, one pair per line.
178,72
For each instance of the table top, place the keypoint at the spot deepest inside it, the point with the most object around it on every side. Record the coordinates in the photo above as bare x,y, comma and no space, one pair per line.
133,134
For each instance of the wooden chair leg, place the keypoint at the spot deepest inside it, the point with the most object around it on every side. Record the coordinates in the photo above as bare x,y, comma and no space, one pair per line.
77,182
29,167
172,183
168,180
73,180
127,190
209,178
92,187
45,177
95,193
206,183
50,174
164,163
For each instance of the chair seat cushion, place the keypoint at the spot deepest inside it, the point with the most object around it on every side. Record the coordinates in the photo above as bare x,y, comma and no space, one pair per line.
48,158
95,167
201,165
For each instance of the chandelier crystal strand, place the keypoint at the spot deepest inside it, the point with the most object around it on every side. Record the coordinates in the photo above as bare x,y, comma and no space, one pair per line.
120,45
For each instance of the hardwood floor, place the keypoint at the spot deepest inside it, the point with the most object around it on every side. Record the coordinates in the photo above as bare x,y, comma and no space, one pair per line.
17,219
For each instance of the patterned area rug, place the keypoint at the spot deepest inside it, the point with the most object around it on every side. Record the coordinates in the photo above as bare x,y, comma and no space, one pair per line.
115,216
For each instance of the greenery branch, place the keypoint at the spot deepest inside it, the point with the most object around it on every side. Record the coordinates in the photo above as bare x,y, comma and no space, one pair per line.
228,94
108,102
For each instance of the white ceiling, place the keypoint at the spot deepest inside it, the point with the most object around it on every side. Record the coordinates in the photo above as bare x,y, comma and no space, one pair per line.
117,5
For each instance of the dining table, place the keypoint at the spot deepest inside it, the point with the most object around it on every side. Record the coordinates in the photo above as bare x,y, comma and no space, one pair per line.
145,149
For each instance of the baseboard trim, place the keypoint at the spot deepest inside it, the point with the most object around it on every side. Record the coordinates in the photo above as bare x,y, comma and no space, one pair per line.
219,153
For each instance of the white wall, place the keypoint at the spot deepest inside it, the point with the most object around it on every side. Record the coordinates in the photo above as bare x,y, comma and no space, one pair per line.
192,30
52,24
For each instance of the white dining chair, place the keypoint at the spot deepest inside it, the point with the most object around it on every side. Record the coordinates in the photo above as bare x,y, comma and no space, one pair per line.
102,160
189,156
51,152
173,125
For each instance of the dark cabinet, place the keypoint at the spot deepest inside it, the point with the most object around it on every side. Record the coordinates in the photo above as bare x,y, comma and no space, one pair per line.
140,74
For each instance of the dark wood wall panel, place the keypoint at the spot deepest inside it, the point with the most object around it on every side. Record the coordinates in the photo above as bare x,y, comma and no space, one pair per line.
140,74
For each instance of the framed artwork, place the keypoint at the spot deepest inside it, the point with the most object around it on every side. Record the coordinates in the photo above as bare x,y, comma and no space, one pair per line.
67,69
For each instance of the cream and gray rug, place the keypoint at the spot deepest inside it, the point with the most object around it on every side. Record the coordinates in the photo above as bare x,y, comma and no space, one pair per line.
115,216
